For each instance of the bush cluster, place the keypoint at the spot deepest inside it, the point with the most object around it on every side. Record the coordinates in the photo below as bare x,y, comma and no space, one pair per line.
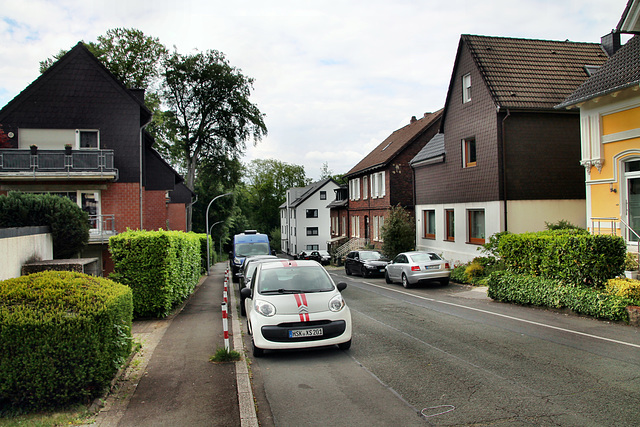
69,224
161,267
625,288
63,336
574,257
530,290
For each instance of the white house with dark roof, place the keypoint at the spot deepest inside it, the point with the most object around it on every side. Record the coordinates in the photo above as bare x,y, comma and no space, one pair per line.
305,221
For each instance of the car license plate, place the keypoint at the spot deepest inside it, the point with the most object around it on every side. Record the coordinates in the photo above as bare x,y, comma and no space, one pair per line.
301,333
432,267
382,270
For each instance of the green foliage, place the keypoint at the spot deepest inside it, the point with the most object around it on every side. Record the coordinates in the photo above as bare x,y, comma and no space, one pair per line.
161,267
398,232
203,252
570,256
631,262
477,271
562,225
68,223
223,355
63,336
458,274
626,288
529,290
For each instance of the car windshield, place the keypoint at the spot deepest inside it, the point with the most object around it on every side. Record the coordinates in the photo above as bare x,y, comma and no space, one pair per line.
426,257
370,256
248,249
301,279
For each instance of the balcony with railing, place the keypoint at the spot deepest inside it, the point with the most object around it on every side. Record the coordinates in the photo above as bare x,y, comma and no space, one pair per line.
101,228
90,164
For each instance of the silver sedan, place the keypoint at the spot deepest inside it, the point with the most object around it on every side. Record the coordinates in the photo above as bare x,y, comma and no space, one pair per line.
410,268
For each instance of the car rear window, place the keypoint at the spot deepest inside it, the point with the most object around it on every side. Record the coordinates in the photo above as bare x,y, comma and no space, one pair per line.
425,257
298,279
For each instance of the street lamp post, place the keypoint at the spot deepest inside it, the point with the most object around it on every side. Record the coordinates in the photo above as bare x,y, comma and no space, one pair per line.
207,225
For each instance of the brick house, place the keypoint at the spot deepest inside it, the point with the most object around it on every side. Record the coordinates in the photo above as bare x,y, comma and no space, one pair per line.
609,105
112,170
384,179
505,159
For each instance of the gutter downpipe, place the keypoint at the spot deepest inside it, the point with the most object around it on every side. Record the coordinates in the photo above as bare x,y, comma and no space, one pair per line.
141,153
504,170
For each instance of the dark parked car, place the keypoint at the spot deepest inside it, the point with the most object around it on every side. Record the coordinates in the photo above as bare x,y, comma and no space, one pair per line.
322,257
365,263
301,255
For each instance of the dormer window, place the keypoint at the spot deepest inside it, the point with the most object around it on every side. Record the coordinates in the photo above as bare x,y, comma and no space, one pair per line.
466,88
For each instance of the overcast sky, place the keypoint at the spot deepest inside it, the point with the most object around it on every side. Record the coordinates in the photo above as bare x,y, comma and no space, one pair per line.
334,78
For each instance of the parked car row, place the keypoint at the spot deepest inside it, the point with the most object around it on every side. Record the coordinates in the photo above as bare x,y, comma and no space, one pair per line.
408,268
321,256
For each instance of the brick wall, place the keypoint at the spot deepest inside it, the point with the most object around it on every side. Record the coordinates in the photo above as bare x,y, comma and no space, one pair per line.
177,216
155,210
123,201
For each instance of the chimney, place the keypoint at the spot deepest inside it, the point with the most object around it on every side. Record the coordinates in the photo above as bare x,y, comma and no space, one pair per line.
413,119
610,42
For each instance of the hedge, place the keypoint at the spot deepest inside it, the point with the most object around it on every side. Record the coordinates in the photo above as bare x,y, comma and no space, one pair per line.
161,267
571,256
63,336
539,291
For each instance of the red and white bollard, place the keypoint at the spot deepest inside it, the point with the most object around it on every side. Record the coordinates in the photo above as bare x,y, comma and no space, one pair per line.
224,293
225,326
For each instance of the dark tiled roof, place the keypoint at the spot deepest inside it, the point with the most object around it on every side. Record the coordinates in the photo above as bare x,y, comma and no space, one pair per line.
395,143
532,74
620,72
433,149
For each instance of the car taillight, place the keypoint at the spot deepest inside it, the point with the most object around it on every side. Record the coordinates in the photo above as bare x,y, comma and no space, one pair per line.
446,265
415,268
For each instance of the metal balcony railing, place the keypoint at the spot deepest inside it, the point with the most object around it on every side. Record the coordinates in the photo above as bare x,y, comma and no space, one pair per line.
611,225
81,163
101,228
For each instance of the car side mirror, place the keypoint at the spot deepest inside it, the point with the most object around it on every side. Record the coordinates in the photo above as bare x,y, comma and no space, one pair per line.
245,293
341,286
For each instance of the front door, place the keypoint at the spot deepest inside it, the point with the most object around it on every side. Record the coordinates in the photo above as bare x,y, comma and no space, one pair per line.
632,175
366,227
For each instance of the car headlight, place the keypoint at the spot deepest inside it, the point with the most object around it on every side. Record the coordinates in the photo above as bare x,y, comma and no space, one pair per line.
265,308
336,303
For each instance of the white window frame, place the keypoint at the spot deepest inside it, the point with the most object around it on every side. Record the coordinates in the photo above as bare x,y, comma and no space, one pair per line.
466,88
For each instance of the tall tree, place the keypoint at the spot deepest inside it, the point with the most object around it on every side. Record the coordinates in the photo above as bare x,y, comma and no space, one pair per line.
210,112
268,181
398,232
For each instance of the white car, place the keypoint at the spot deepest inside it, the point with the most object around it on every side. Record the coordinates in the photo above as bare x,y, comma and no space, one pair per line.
295,304
410,268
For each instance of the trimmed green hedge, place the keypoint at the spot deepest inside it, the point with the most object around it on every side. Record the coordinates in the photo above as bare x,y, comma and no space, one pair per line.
574,257
63,336
539,291
161,267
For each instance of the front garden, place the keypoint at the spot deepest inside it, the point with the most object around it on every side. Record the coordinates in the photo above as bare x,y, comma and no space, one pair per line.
565,268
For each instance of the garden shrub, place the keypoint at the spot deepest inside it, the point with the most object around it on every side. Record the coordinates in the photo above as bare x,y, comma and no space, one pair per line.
203,252
545,292
161,267
625,288
63,336
68,223
572,256
458,274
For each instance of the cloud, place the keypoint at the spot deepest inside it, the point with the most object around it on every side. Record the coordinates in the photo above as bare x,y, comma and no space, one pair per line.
334,78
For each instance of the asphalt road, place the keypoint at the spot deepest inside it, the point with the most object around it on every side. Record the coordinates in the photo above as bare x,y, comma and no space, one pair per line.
451,356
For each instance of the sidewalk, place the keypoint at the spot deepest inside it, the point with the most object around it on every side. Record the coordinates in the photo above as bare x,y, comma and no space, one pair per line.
171,381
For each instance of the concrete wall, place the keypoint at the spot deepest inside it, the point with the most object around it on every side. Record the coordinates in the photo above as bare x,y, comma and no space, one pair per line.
18,245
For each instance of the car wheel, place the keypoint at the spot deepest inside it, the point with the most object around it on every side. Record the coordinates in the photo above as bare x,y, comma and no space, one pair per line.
405,282
243,311
363,272
387,278
345,345
347,271
257,351
444,282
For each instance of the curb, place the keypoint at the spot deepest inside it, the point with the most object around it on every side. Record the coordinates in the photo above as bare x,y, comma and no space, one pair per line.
248,416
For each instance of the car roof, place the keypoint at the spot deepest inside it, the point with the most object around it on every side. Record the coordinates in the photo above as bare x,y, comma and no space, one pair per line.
290,263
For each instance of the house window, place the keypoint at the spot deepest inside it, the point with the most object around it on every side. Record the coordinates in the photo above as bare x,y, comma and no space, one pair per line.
354,189
323,195
469,152
365,187
429,222
87,138
377,185
466,88
312,231
476,226
343,232
355,226
450,226
312,213
313,247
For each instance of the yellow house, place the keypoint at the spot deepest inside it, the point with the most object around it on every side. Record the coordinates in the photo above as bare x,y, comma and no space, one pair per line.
609,103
